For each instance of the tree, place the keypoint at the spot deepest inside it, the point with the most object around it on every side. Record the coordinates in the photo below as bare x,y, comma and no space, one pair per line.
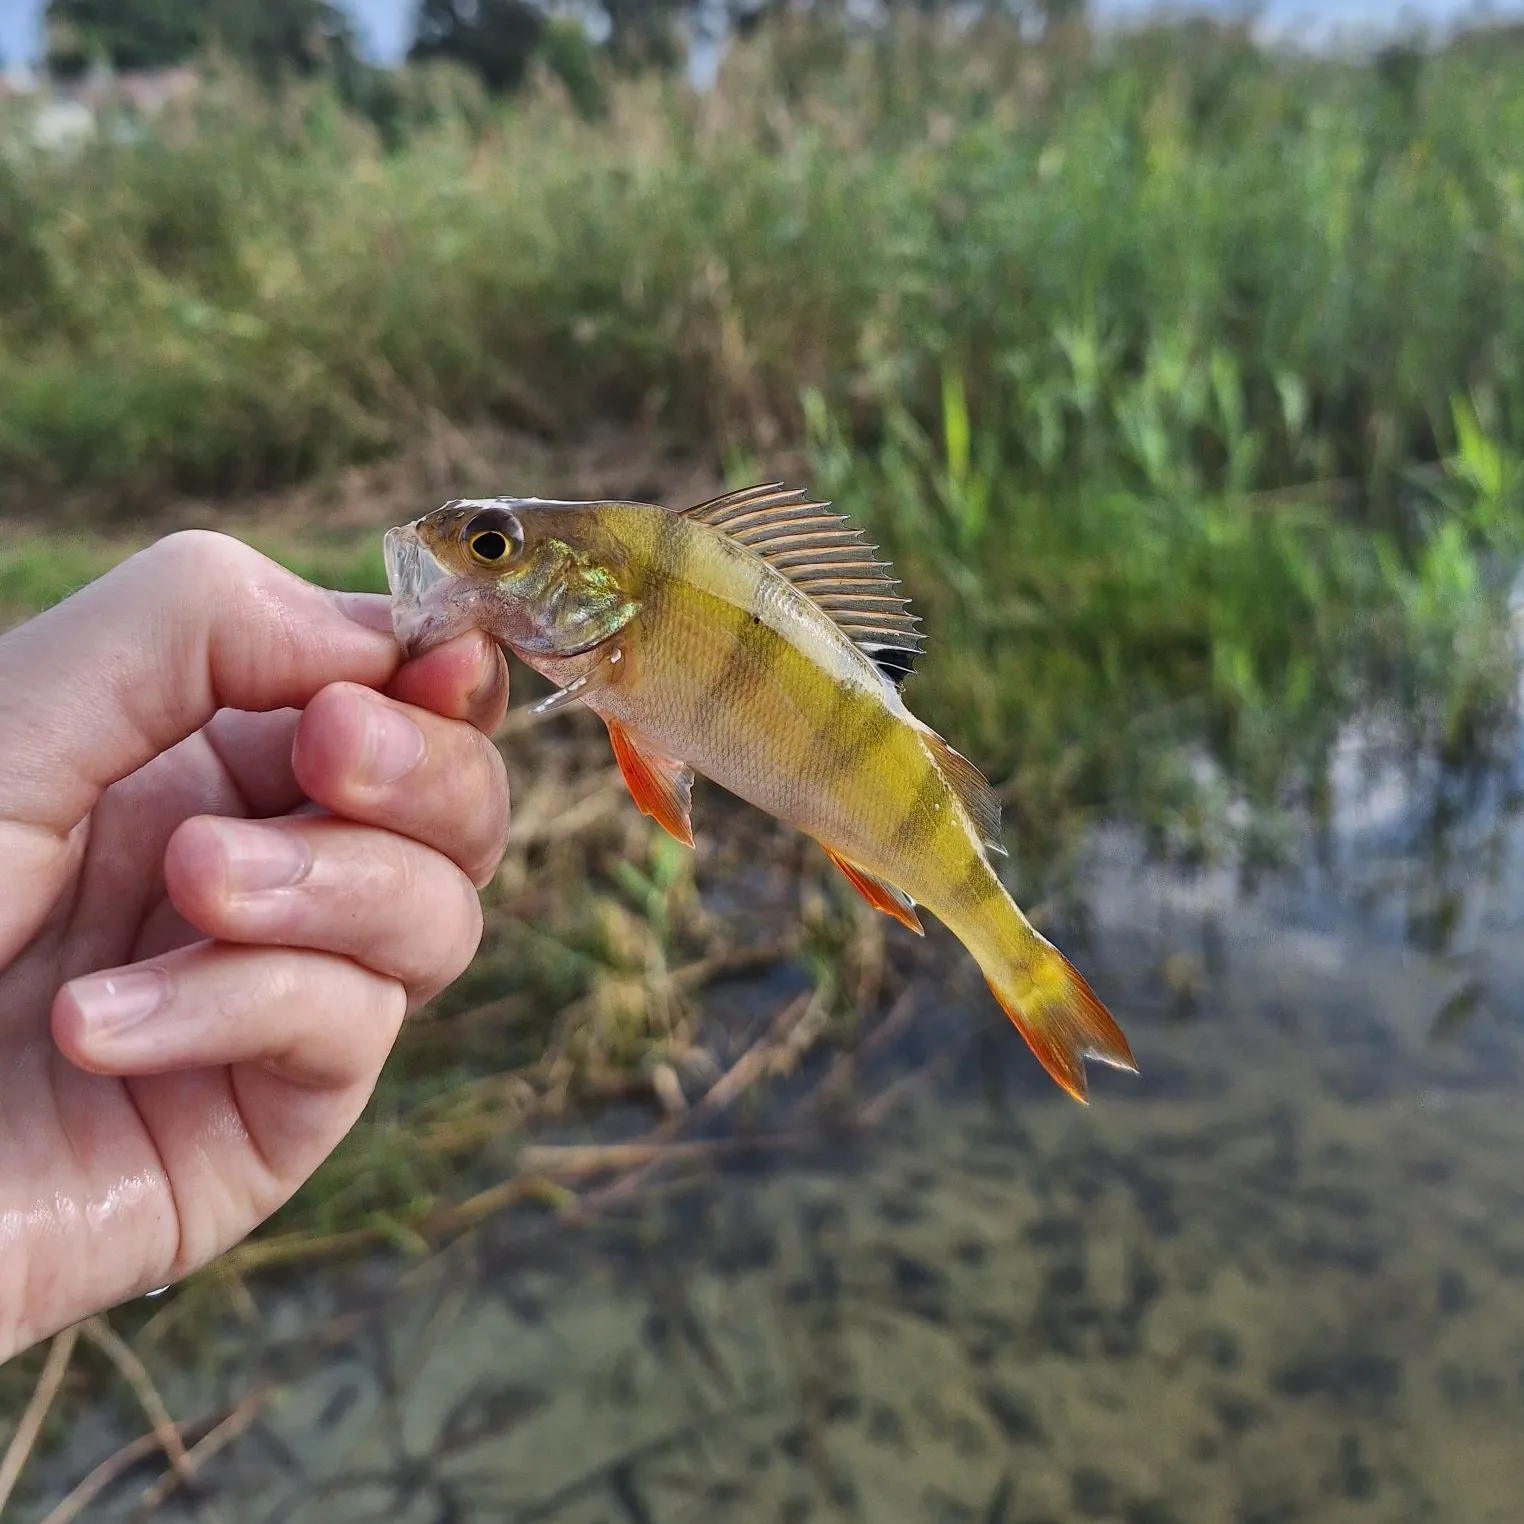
649,33
270,36
128,34
500,38
496,38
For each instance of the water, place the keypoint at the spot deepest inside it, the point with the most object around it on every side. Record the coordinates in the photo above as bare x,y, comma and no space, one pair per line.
1278,1278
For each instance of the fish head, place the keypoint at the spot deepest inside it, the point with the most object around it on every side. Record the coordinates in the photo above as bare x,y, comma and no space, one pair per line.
545,579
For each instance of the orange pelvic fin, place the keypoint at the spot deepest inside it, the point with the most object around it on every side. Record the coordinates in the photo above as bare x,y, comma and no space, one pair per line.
1062,1020
879,895
661,785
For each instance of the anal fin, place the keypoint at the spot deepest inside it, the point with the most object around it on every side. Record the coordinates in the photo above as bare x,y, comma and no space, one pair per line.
661,785
879,895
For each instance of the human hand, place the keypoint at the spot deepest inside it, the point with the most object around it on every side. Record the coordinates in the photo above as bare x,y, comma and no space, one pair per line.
230,869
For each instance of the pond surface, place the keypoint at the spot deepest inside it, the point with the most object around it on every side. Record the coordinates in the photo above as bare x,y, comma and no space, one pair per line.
1279,1277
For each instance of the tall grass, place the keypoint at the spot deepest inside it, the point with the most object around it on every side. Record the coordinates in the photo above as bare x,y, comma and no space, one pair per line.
1189,265
1186,381
1062,315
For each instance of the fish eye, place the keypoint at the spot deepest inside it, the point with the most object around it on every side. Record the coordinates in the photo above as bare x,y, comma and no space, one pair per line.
494,536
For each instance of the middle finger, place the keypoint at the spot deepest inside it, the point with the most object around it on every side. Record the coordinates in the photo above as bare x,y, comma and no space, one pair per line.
386,901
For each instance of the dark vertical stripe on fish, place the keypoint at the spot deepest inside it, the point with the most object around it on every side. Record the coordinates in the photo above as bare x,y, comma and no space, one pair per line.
681,546
838,748
744,669
669,556
980,884
921,820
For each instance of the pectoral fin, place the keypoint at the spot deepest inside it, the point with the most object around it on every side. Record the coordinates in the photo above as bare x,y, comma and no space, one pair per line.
600,676
879,895
661,785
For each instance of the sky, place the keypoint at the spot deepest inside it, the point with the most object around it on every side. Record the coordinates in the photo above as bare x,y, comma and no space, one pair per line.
385,25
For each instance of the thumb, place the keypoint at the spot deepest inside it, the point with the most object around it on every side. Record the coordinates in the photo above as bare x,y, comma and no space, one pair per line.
141,659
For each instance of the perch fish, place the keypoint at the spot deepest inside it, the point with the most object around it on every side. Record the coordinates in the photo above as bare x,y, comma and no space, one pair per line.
754,639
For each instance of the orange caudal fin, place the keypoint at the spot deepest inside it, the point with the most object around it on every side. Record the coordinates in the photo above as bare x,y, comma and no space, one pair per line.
661,785
879,895
1059,1015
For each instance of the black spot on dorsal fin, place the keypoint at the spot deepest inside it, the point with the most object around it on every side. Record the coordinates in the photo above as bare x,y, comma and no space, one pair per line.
895,662
827,559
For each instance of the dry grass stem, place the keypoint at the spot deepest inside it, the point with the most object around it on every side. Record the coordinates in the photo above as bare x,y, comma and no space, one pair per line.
873,1112
216,1435
115,1465
220,1436
576,1160
135,1373
20,1448
848,1064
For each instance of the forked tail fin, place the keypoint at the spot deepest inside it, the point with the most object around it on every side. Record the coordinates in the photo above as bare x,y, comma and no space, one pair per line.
1060,1016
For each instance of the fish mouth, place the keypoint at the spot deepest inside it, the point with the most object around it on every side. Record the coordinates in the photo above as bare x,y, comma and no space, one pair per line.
424,614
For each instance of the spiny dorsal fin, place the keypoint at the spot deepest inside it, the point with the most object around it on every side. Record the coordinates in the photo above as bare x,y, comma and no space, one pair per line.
827,559
972,789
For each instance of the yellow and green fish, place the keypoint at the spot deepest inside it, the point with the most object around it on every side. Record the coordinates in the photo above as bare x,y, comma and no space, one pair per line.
755,639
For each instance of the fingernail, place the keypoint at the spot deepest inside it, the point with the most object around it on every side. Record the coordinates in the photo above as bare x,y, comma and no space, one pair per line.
373,610
258,857
393,745
111,1003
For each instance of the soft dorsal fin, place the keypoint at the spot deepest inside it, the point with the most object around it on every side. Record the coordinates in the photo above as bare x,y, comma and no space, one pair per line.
827,559
972,788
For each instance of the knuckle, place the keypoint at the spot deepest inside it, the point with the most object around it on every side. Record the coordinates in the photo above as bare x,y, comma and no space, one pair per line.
205,555
438,910
465,933
401,880
274,984
468,936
